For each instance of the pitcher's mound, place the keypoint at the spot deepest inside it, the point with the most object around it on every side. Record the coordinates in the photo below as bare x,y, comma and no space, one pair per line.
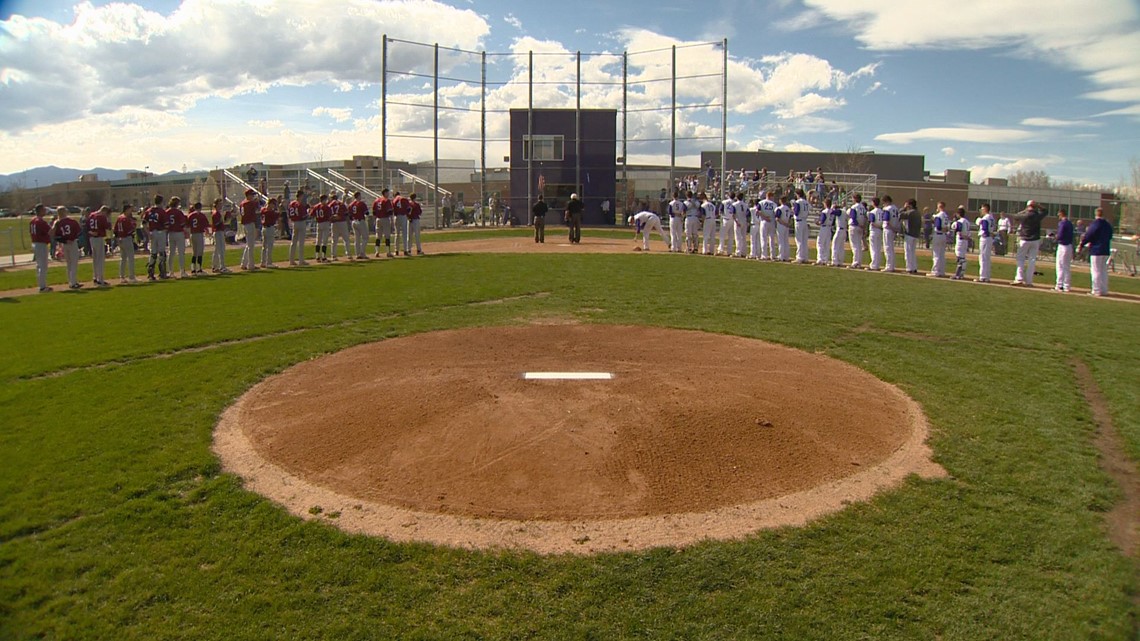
630,437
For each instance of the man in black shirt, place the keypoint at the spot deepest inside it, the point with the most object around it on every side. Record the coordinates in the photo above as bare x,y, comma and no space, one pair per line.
1028,242
574,218
539,211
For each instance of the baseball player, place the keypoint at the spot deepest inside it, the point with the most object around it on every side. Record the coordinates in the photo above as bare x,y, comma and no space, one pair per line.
98,224
176,236
1028,242
960,228
727,220
400,207
67,231
1064,252
249,209
269,218
708,210
358,214
1098,238
198,224
692,223
784,222
911,221
875,233
382,212
323,217
155,220
40,231
219,219
764,234
801,210
987,228
644,222
857,223
839,240
740,223
415,211
676,222
941,222
890,215
827,216
298,214
338,221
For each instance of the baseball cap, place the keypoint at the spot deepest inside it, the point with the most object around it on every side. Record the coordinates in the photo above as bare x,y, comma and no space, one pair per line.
250,191
573,196
1030,203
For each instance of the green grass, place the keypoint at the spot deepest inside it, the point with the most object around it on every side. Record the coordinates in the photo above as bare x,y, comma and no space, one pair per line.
117,522
14,239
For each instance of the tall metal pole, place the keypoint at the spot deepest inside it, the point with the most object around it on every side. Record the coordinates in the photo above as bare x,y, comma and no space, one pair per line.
435,135
483,130
578,133
383,113
673,130
528,143
624,132
724,120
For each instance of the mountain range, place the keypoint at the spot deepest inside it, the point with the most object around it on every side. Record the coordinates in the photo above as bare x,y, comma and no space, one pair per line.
50,175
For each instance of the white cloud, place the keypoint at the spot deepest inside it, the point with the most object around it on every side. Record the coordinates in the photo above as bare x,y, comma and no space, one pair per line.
948,151
958,134
801,21
513,21
1055,122
1099,41
799,146
337,114
873,88
1004,169
265,124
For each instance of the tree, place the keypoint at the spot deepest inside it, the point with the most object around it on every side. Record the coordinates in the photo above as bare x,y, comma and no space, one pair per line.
1035,179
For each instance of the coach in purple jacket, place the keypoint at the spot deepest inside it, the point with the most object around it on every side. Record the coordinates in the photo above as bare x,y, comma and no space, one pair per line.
1098,238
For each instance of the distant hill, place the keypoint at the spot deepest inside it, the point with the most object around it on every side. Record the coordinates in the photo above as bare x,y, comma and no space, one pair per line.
51,175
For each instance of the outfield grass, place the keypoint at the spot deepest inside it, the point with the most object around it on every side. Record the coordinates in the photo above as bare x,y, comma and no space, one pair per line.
118,523
14,239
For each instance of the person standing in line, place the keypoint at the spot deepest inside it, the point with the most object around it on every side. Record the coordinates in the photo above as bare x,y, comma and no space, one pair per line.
739,224
857,224
987,228
961,230
912,224
98,224
692,223
801,209
1028,242
338,220
249,211
176,236
763,228
198,224
269,218
784,224
827,215
1004,228
298,214
400,207
358,213
875,233
643,223
124,231
219,219
1098,238
538,214
890,216
839,241
67,231
155,219
940,227
415,212
574,218
40,231
676,222
321,214
727,221
1065,235
708,229
382,213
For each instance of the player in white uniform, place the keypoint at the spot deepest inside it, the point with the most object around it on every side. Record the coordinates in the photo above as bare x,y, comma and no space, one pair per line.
801,209
764,234
784,224
961,230
857,224
708,208
692,223
740,224
727,224
891,226
987,228
676,222
839,241
823,240
875,237
938,242
644,222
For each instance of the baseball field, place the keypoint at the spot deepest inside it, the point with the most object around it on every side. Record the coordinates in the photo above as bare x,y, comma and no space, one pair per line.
118,519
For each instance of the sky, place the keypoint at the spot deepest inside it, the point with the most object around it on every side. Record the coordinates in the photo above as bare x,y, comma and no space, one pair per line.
993,86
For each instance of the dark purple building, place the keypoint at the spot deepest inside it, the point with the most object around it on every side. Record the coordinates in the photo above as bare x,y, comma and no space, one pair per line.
562,167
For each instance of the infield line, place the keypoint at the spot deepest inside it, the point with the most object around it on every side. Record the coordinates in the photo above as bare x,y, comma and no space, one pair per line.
568,376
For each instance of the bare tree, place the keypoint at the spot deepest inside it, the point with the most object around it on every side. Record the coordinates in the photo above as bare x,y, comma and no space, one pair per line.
1036,179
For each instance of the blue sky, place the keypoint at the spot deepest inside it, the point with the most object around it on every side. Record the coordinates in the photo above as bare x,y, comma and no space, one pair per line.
994,87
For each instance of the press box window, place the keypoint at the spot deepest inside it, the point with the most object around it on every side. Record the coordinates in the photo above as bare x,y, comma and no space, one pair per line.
543,147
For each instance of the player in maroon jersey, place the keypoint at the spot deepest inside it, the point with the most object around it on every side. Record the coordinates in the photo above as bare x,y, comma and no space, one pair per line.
338,214
400,208
414,213
176,236
358,214
323,218
198,225
67,230
98,224
382,212
269,217
249,209
219,220
40,231
124,231
154,218
299,215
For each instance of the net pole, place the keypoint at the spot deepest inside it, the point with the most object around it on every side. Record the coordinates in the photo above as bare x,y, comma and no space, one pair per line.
383,110
483,129
673,128
528,144
724,120
435,136
578,132
624,131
